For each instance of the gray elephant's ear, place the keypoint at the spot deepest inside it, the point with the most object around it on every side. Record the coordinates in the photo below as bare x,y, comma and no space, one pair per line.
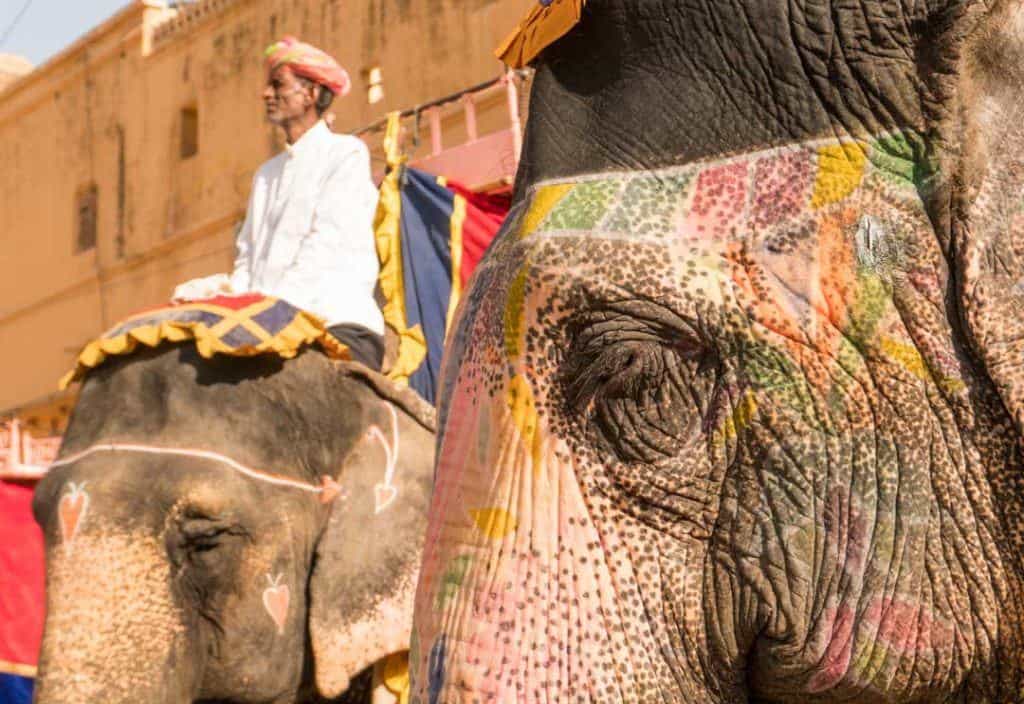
367,561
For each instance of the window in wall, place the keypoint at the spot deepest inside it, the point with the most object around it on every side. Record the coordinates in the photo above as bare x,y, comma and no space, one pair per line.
375,85
189,132
86,206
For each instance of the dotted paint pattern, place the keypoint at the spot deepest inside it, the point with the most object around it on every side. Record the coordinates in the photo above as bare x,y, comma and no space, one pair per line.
699,413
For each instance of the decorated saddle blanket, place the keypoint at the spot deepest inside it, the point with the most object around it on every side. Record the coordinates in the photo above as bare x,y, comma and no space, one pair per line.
239,326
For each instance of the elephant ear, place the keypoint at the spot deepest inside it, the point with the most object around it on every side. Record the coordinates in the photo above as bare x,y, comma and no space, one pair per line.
989,224
367,560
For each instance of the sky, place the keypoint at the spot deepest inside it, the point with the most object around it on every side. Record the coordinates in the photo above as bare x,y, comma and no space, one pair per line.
47,26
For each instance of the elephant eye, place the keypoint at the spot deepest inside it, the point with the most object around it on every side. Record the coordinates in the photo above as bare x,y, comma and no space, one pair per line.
633,384
203,535
205,541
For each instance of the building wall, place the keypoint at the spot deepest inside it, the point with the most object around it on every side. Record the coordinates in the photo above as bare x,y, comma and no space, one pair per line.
108,112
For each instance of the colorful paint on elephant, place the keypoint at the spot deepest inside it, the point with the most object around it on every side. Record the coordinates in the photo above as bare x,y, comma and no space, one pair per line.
276,599
771,286
385,492
72,511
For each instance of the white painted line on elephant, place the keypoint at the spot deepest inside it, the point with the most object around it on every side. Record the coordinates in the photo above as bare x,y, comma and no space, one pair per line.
329,488
385,493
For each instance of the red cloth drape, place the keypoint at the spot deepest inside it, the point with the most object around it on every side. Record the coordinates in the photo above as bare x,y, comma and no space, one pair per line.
22,601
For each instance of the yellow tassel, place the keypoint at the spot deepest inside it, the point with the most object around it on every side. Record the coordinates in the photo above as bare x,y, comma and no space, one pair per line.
541,28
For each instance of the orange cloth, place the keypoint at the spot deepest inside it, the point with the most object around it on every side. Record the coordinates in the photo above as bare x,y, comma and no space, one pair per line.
309,62
546,24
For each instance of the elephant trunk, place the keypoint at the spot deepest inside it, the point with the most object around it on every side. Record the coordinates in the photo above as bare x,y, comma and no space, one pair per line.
113,630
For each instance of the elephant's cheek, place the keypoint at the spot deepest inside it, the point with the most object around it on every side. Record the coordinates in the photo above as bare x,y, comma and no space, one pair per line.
113,632
513,586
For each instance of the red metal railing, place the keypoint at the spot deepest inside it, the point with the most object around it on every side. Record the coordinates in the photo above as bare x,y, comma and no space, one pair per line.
481,163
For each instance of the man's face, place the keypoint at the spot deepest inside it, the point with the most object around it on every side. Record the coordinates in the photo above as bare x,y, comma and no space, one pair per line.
287,97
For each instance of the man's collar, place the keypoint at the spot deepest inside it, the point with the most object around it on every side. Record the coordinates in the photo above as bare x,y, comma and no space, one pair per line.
309,140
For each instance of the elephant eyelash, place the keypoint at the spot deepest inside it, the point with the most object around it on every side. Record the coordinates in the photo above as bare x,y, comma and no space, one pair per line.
205,544
209,539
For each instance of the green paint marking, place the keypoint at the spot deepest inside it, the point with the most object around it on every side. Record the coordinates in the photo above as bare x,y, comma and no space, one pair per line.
582,207
452,580
902,159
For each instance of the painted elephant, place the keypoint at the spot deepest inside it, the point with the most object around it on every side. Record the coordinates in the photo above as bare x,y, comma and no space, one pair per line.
193,550
732,409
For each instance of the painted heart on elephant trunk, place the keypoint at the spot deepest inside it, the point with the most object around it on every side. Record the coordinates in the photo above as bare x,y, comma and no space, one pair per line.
72,510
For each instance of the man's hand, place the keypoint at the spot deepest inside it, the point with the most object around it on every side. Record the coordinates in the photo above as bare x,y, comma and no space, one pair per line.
205,287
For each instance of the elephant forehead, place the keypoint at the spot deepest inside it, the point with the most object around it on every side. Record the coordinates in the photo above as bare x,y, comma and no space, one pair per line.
116,487
782,235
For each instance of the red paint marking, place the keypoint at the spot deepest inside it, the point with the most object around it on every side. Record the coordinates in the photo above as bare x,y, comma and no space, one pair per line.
836,662
329,489
71,512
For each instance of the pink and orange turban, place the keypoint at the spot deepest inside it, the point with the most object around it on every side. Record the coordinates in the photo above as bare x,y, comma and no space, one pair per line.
309,62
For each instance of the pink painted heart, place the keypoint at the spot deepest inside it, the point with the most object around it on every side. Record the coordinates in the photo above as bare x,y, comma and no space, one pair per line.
275,601
383,496
71,512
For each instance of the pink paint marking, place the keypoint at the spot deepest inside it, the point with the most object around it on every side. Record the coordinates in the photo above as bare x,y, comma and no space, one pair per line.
783,183
906,627
836,662
719,201
328,489
276,599
71,512
385,493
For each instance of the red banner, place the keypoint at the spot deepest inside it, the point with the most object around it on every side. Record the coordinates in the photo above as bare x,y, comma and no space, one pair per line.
21,581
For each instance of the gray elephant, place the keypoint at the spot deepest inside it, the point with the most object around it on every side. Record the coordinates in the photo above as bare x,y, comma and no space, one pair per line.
231,530
732,409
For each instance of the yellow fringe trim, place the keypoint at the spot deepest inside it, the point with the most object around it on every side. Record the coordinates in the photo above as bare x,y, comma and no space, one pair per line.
541,28
412,344
304,329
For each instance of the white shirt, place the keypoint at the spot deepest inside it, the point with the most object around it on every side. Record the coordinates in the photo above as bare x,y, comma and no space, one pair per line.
308,232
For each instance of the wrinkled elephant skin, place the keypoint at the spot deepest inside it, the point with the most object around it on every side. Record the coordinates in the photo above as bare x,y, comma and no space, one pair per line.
732,410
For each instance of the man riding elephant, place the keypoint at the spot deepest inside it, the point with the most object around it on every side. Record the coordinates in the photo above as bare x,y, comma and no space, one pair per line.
732,409
308,231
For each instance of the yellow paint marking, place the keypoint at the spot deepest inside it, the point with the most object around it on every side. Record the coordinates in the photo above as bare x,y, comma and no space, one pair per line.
909,358
514,312
543,202
524,415
735,422
494,523
840,170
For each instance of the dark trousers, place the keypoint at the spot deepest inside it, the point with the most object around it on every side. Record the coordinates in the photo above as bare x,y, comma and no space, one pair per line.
367,347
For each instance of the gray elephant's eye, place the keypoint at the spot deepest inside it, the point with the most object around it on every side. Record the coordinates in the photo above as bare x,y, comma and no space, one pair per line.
199,535
635,385
207,540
